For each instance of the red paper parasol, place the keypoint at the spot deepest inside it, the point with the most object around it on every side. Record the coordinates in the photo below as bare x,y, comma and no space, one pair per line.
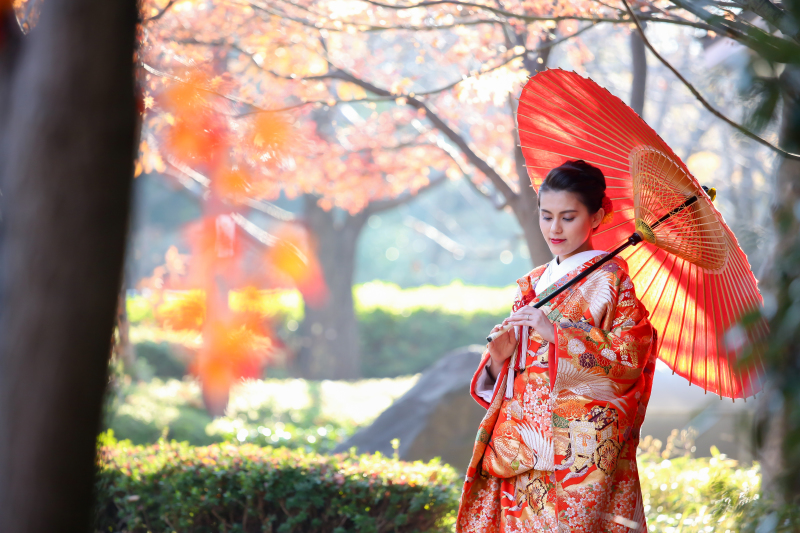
689,272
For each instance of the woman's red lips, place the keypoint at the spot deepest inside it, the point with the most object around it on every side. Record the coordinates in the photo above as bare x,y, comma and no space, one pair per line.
557,241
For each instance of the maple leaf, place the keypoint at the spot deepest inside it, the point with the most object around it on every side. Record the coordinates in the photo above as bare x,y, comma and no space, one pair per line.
199,137
183,310
231,350
250,299
231,183
270,130
294,257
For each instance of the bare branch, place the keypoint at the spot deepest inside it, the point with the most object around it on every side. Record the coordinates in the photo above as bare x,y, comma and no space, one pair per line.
471,74
162,74
441,125
259,235
451,153
385,205
700,98
271,210
160,13
540,18
365,27
423,228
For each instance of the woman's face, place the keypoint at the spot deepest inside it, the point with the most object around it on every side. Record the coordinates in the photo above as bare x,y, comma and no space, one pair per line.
566,223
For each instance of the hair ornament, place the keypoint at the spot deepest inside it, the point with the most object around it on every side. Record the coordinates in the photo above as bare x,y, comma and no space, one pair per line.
608,207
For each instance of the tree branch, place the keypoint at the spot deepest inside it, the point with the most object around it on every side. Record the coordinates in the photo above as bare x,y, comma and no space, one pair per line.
765,43
384,205
431,232
437,121
172,77
160,13
441,125
509,195
539,18
366,27
775,16
447,87
271,210
700,98
391,96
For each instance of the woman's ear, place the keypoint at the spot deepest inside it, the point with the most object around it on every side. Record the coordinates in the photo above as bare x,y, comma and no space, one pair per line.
597,218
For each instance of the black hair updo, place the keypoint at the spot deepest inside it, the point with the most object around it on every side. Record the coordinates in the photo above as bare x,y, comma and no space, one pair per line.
581,178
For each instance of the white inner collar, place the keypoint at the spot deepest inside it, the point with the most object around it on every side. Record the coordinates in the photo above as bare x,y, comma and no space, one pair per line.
556,270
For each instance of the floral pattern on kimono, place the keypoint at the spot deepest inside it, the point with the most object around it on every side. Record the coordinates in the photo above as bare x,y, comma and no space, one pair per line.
560,453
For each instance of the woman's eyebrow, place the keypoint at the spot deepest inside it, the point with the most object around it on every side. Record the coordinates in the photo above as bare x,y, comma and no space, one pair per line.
560,212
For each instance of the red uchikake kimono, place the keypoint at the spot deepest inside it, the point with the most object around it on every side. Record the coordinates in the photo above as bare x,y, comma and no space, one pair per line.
560,454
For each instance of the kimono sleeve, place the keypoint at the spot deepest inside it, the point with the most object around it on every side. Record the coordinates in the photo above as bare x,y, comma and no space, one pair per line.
603,365
480,382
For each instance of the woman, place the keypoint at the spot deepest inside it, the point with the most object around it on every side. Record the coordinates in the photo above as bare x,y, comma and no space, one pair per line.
566,388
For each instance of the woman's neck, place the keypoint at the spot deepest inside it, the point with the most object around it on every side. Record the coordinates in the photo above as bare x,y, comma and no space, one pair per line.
585,247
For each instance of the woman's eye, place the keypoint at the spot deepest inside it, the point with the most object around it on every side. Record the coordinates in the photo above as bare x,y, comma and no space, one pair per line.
569,219
546,218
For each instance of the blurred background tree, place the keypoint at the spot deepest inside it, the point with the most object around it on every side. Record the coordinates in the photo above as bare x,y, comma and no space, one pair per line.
348,163
446,94
439,69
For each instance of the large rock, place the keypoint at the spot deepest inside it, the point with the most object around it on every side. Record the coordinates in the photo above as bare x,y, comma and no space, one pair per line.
436,418
439,418
674,404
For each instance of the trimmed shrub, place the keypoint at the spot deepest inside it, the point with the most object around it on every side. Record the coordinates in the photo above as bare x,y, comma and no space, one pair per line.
402,331
173,487
162,359
396,345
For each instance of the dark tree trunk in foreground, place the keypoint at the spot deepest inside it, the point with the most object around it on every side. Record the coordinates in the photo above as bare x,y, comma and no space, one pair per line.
67,149
778,424
330,332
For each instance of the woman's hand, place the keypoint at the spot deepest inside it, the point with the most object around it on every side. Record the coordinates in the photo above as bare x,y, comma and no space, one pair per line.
535,318
500,349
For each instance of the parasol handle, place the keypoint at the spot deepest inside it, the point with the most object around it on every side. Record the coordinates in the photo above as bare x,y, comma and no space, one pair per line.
684,205
633,240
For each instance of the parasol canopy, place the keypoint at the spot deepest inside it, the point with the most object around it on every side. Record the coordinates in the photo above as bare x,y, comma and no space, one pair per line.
689,272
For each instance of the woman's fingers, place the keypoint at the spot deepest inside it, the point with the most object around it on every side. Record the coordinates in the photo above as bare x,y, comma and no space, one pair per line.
521,322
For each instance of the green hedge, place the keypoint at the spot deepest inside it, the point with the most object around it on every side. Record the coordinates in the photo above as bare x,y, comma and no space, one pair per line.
402,331
396,345
171,487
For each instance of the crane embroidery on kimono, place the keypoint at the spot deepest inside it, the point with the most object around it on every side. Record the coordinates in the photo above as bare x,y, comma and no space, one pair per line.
539,444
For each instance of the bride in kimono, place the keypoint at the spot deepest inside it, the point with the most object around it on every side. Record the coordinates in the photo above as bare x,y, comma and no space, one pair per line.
566,388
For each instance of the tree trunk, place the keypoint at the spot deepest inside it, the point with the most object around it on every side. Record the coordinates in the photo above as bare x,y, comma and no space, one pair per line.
68,144
526,209
778,430
639,68
329,333
526,204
